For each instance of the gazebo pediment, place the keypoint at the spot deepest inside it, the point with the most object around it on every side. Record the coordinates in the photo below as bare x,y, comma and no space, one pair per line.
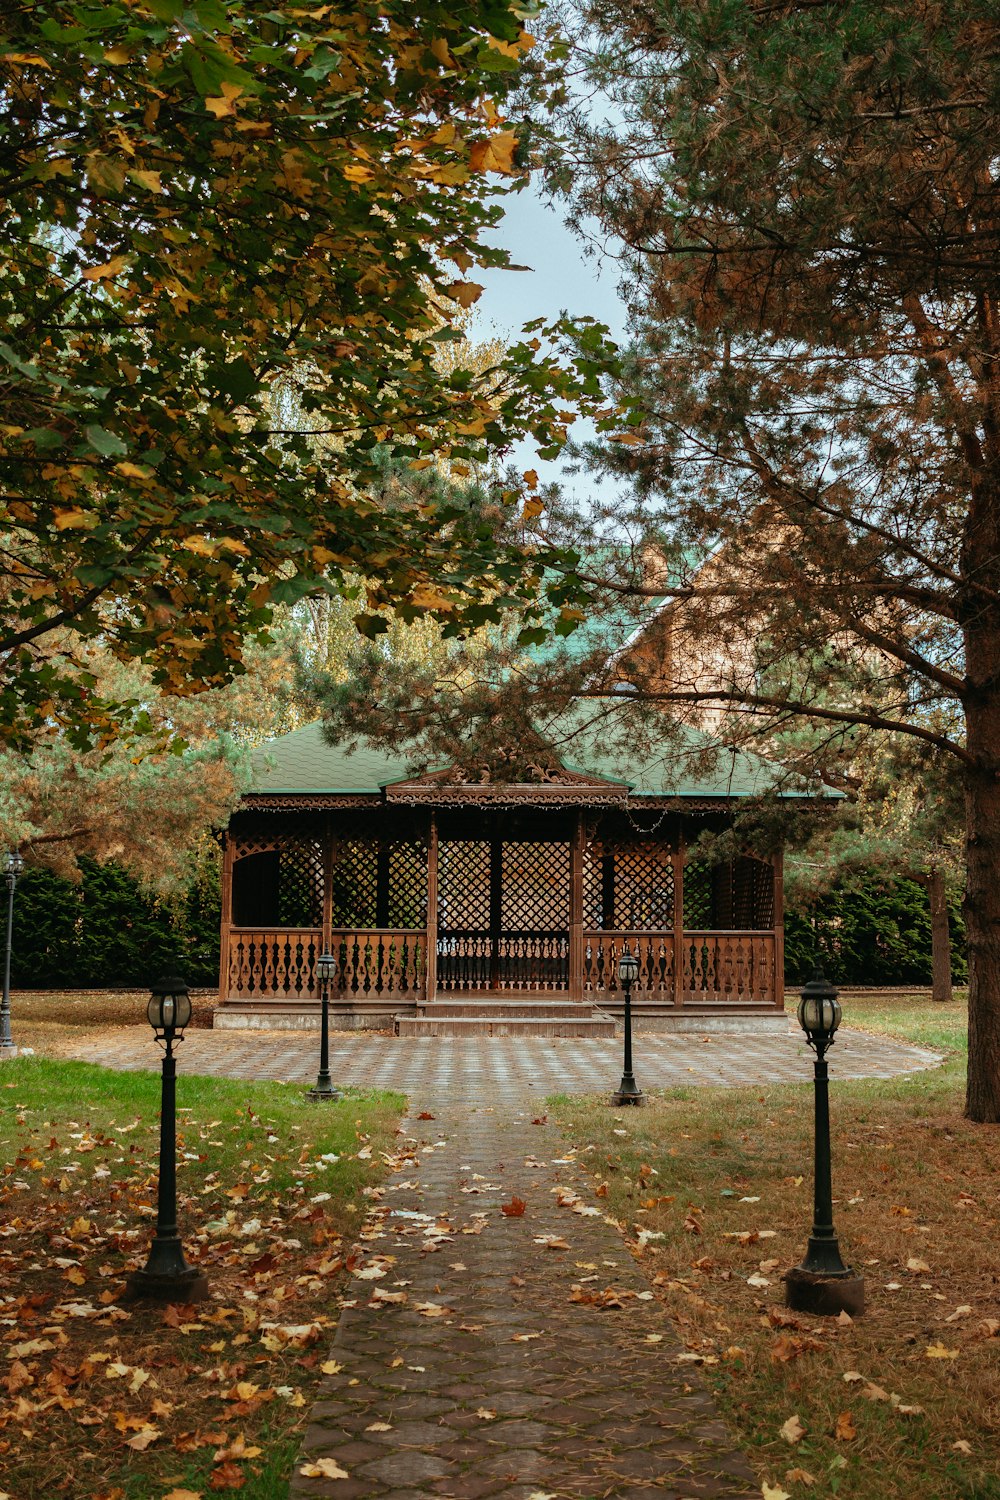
558,787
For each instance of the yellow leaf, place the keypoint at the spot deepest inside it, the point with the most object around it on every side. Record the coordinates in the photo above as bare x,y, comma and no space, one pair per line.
142,1439
117,55
530,477
331,1367
27,60
439,47
225,104
355,172
532,507
495,154
774,1492
465,293
421,463
938,1351
147,179
323,1468
133,471
183,1495
110,268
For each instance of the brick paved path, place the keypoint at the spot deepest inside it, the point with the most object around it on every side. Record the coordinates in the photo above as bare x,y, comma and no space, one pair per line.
515,1390
446,1068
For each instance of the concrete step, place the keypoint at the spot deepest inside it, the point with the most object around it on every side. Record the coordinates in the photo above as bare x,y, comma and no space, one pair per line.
587,1024
490,1007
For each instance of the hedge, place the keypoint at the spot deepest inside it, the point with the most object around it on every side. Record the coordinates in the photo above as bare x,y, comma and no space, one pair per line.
108,931
876,932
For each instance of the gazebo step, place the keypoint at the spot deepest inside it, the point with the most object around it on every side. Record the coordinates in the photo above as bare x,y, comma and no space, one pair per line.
542,1007
585,1024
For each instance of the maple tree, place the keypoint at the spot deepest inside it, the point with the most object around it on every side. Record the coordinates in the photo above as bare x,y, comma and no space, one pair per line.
805,194
235,241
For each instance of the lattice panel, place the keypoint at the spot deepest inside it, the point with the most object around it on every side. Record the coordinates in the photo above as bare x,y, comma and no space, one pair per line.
463,885
407,893
698,890
763,893
535,887
629,885
354,883
300,885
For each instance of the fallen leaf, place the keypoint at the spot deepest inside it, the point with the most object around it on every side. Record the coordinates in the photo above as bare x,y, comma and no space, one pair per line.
379,1427
514,1209
962,1446
845,1430
431,1309
793,1431
485,1414
183,1495
800,1476
774,1492
323,1468
227,1476
915,1265
938,1351
425,1116
142,1439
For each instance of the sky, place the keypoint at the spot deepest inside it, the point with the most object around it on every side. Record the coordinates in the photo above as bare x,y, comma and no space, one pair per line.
563,277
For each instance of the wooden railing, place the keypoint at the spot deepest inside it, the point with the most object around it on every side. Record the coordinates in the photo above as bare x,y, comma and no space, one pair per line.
385,963
390,964
508,961
654,950
277,965
714,966
728,966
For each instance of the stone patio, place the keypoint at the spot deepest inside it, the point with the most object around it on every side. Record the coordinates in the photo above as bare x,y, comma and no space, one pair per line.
492,1069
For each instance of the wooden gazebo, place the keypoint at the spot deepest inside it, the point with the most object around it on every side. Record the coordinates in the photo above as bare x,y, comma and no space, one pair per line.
448,901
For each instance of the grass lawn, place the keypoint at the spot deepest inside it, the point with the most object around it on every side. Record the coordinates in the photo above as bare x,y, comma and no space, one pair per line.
206,1398
713,1188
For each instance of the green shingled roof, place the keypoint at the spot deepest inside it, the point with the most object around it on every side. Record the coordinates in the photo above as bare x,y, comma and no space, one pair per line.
303,762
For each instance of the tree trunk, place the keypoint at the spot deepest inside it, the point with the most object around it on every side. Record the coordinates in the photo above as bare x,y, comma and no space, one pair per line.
982,907
940,936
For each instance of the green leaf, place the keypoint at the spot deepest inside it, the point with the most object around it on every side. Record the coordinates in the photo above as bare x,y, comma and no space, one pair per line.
104,442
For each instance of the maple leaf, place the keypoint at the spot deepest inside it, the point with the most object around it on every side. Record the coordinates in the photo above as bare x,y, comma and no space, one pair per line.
938,1351
142,1439
514,1209
774,1492
227,1476
845,1430
323,1468
793,1431
800,1476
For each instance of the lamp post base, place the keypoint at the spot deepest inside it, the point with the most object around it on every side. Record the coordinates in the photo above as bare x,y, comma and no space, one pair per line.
7,1049
824,1294
629,1091
323,1091
189,1285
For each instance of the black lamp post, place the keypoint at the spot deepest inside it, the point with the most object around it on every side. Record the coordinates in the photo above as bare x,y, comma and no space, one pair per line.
822,1283
629,1091
166,1276
13,867
326,968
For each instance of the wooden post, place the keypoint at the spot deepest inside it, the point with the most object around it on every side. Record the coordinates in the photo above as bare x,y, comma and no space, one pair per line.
576,851
329,849
779,931
430,958
679,853
227,916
